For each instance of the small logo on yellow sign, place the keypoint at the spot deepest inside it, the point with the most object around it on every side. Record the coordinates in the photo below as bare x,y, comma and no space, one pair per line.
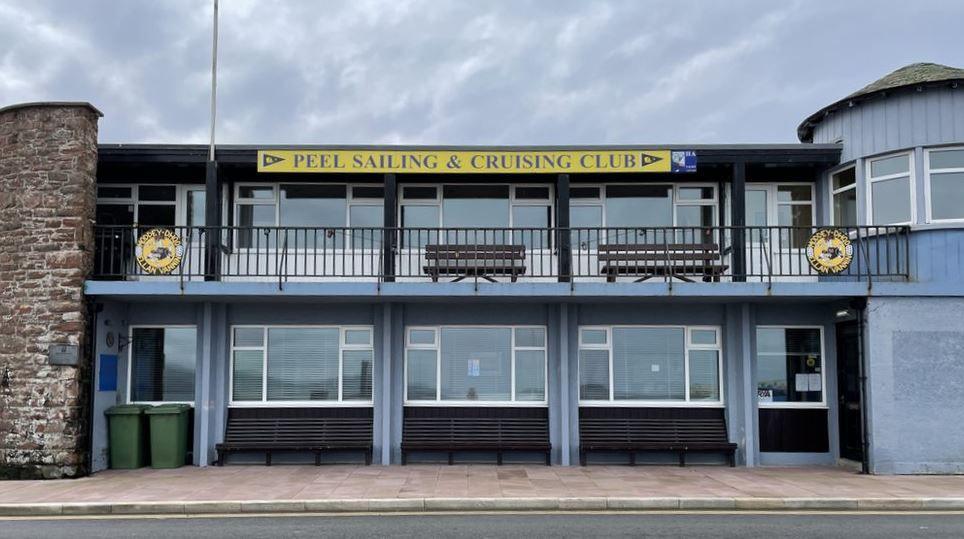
158,251
829,251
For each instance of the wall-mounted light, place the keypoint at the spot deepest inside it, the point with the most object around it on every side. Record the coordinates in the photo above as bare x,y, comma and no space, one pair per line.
844,313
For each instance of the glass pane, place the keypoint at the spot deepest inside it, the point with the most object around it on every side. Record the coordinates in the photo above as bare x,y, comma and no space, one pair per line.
789,365
476,364
196,208
358,336
314,206
155,215
366,222
890,165
844,178
419,217
638,206
302,364
947,195
249,191
530,379
584,192
845,208
421,336
256,216
475,206
530,337
248,336
891,201
648,364
698,217
421,375
794,193
703,336
704,375
586,217
532,193
797,215
756,207
357,375
157,193
367,192
594,375
420,193
162,364
248,373
114,214
947,159
114,192
695,193
593,336
536,217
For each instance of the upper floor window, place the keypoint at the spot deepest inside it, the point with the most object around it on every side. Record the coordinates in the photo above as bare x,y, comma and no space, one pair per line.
843,191
891,189
146,204
306,208
649,363
945,184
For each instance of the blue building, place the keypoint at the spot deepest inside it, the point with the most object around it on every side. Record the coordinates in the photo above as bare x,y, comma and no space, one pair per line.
780,304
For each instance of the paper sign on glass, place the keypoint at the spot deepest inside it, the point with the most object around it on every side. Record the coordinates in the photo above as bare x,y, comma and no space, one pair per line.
801,383
475,367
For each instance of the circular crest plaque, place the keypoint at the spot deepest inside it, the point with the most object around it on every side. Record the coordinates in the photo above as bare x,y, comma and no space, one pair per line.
829,251
159,251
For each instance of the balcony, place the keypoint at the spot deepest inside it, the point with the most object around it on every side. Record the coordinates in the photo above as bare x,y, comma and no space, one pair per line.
708,255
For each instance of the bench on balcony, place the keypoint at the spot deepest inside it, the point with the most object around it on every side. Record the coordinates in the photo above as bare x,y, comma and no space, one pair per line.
310,430
474,260
683,261
673,430
452,429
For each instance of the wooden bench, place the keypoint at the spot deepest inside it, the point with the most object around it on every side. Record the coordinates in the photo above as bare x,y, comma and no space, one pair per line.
675,430
485,261
297,429
648,260
476,429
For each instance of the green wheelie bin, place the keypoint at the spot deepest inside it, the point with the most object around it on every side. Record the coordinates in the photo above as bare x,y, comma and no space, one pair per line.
169,423
127,433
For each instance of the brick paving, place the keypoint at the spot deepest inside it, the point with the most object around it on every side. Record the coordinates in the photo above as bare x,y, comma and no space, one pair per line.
242,483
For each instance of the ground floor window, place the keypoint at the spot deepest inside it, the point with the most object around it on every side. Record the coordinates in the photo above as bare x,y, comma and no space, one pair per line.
162,364
301,364
477,364
645,364
789,366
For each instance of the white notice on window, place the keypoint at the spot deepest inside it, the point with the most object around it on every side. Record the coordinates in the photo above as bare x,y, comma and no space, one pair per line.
816,383
801,383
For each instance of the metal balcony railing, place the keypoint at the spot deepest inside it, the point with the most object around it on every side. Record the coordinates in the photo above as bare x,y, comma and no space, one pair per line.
606,254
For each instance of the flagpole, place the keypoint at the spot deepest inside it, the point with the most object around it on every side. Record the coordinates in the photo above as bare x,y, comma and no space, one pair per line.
214,78
212,187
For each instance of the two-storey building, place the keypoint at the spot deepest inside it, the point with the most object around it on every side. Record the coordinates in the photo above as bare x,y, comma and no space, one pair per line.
770,303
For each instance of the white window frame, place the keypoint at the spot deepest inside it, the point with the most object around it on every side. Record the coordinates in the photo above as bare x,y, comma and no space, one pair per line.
134,200
823,370
676,201
841,190
437,347
342,347
513,201
130,360
656,403
911,179
928,172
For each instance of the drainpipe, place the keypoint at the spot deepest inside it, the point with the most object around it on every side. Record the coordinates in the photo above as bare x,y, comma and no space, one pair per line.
860,307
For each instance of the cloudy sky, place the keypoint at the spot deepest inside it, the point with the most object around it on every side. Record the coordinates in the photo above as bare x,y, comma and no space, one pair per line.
464,72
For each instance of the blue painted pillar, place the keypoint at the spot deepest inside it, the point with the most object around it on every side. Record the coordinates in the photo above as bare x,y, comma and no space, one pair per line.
564,407
383,403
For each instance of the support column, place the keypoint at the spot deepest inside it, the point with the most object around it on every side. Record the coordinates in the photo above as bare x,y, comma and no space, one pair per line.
389,236
562,225
383,413
751,440
565,405
738,221
212,220
202,397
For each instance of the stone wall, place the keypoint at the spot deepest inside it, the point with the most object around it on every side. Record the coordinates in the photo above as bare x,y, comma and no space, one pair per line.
48,158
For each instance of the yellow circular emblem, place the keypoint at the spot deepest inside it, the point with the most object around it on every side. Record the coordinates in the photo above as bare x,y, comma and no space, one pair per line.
158,251
829,251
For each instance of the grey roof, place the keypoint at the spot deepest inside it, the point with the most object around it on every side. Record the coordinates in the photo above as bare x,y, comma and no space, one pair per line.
913,75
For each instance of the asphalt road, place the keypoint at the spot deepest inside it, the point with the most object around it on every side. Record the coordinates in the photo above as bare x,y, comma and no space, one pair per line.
744,526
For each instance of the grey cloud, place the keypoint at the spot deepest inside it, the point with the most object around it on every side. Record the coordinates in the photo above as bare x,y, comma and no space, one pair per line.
456,72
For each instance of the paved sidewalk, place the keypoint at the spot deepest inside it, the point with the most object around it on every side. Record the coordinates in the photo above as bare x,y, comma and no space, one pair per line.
424,487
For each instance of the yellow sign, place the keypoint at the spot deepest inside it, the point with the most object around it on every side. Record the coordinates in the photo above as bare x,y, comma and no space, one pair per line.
476,161
829,251
158,251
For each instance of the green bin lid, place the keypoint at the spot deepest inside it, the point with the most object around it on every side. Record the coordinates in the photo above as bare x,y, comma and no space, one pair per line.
172,408
127,409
